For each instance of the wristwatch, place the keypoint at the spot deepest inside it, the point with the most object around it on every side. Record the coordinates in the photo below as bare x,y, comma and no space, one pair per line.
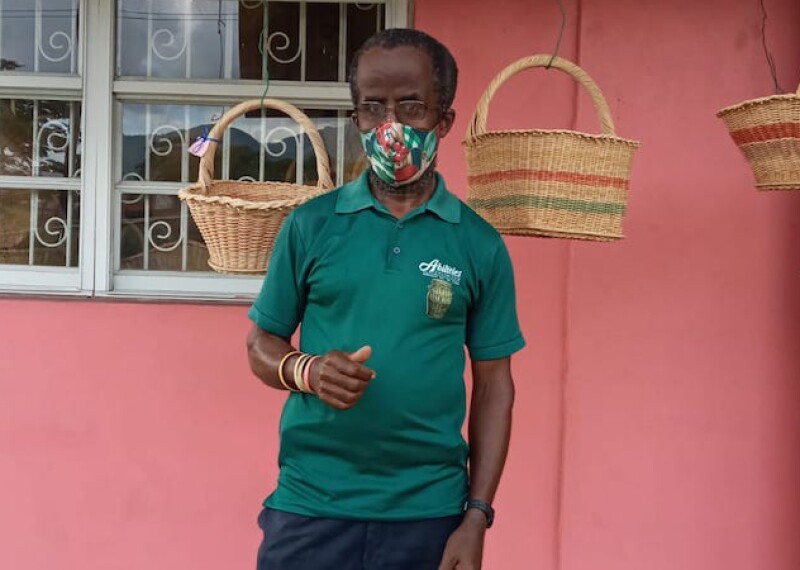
485,508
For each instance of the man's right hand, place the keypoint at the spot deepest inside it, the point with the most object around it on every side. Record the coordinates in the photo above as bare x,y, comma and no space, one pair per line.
339,379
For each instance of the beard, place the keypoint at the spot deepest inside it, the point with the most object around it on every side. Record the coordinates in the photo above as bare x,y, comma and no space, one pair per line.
419,186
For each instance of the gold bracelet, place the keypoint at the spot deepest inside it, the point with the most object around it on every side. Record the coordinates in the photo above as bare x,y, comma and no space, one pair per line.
298,372
286,357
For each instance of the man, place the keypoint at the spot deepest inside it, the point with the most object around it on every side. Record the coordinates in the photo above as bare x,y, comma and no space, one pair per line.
390,276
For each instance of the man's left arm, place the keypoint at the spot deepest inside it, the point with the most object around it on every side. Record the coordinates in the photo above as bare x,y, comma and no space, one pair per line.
489,434
492,336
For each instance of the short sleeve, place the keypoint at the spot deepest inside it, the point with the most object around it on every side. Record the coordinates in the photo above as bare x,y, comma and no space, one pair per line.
492,325
281,302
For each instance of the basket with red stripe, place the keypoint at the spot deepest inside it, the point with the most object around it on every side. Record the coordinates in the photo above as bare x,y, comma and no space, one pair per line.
553,183
767,131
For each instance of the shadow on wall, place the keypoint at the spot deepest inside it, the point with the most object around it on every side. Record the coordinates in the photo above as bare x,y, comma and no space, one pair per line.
787,478
790,286
785,475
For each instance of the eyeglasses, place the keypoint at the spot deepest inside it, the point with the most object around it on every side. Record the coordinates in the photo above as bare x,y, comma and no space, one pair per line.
405,111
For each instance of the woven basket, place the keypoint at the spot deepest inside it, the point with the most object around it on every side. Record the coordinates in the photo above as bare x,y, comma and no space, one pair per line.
239,220
554,183
767,130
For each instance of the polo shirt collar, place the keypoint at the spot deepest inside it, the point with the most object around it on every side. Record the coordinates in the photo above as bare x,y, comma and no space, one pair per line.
356,196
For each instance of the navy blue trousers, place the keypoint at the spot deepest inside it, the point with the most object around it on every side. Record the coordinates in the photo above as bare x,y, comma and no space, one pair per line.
296,542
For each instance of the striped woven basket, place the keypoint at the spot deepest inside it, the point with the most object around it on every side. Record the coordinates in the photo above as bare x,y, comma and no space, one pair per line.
239,220
554,183
767,130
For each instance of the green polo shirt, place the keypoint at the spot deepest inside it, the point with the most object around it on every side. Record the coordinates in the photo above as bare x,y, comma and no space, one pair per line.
417,290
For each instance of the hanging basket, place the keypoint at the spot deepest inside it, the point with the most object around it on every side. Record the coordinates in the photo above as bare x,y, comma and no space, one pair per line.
554,183
767,131
239,220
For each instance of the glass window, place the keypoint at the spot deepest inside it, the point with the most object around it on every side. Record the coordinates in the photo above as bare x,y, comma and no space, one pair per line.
231,41
40,143
110,222
220,39
38,139
39,227
156,231
39,36
156,234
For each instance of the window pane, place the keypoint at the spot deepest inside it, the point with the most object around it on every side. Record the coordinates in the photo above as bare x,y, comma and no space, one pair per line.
156,139
354,161
157,234
275,157
322,25
283,44
363,20
156,231
220,39
192,40
328,124
259,146
40,138
39,227
39,36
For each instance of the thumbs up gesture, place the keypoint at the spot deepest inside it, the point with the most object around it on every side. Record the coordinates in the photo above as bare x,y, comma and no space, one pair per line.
340,378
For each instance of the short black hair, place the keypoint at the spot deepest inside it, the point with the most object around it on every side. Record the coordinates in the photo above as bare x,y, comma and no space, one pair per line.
445,71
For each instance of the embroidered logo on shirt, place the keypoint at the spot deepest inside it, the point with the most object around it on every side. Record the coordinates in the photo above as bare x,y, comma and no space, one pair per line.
440,296
439,270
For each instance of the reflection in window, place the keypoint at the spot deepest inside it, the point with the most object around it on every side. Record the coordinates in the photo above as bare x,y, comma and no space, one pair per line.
221,39
158,234
39,227
259,146
213,39
40,138
39,37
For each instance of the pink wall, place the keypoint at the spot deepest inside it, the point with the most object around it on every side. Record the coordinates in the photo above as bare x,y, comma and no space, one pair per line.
667,364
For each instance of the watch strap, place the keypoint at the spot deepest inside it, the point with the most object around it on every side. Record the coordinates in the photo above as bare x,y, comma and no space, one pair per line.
482,506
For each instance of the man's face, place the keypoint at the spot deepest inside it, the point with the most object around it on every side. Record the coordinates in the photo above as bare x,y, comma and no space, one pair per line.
401,81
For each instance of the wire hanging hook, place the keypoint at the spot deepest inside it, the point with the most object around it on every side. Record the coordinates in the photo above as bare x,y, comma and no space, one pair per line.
560,33
770,61
220,27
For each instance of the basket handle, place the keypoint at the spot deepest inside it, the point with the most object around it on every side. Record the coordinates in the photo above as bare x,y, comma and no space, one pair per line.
478,124
206,173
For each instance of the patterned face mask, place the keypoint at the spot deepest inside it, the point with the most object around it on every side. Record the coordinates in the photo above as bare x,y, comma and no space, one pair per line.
399,154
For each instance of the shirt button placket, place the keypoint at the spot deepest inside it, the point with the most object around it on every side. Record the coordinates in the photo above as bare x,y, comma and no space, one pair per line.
393,255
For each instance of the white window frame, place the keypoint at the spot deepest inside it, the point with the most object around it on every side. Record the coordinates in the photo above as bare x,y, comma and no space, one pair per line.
103,95
66,87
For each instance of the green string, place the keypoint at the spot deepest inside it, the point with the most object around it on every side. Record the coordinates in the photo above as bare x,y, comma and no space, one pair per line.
261,38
